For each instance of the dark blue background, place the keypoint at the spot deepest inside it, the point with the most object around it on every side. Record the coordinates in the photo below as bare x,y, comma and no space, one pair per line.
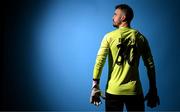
49,50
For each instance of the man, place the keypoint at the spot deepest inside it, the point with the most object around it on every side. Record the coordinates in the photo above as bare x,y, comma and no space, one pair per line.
124,46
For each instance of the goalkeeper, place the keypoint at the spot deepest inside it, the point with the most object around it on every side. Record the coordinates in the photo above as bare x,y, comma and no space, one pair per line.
124,47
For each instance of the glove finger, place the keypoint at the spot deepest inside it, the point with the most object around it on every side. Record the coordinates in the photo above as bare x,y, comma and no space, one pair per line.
92,99
96,99
152,103
97,103
94,103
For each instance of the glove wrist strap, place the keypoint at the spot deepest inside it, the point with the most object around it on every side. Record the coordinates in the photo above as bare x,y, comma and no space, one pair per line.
95,83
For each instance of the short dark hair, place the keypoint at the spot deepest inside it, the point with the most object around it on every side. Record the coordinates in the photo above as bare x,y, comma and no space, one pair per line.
127,10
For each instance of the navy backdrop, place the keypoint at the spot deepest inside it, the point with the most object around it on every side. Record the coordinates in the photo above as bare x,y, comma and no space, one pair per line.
50,46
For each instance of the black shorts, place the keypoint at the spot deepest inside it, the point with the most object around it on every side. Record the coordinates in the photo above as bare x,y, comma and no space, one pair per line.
117,102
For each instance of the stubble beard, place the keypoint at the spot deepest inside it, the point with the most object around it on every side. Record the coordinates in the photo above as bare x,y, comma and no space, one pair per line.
115,25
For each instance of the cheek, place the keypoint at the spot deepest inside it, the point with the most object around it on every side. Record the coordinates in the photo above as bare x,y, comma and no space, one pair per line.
116,19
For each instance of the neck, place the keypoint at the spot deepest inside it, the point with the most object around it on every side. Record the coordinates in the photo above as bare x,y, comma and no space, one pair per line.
124,24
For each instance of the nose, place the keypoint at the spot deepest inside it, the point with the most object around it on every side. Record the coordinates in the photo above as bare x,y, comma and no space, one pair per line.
113,18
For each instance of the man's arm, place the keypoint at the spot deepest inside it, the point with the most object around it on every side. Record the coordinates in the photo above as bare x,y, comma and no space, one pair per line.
98,67
101,58
149,63
151,97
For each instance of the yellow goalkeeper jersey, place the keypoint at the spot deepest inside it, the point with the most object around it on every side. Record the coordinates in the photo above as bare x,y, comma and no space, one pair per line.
123,47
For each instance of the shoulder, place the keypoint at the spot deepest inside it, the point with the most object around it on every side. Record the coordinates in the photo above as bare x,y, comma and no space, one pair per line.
112,33
135,32
109,36
139,35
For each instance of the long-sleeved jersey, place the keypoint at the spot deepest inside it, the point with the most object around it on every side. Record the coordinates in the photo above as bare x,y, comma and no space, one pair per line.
124,47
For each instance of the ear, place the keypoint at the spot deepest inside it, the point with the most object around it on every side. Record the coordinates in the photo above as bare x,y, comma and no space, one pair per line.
123,18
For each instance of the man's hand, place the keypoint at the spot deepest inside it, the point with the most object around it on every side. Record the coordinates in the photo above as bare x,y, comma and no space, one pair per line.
96,93
152,98
95,96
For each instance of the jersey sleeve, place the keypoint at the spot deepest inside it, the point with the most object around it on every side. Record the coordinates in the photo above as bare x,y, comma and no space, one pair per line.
101,58
147,55
149,63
